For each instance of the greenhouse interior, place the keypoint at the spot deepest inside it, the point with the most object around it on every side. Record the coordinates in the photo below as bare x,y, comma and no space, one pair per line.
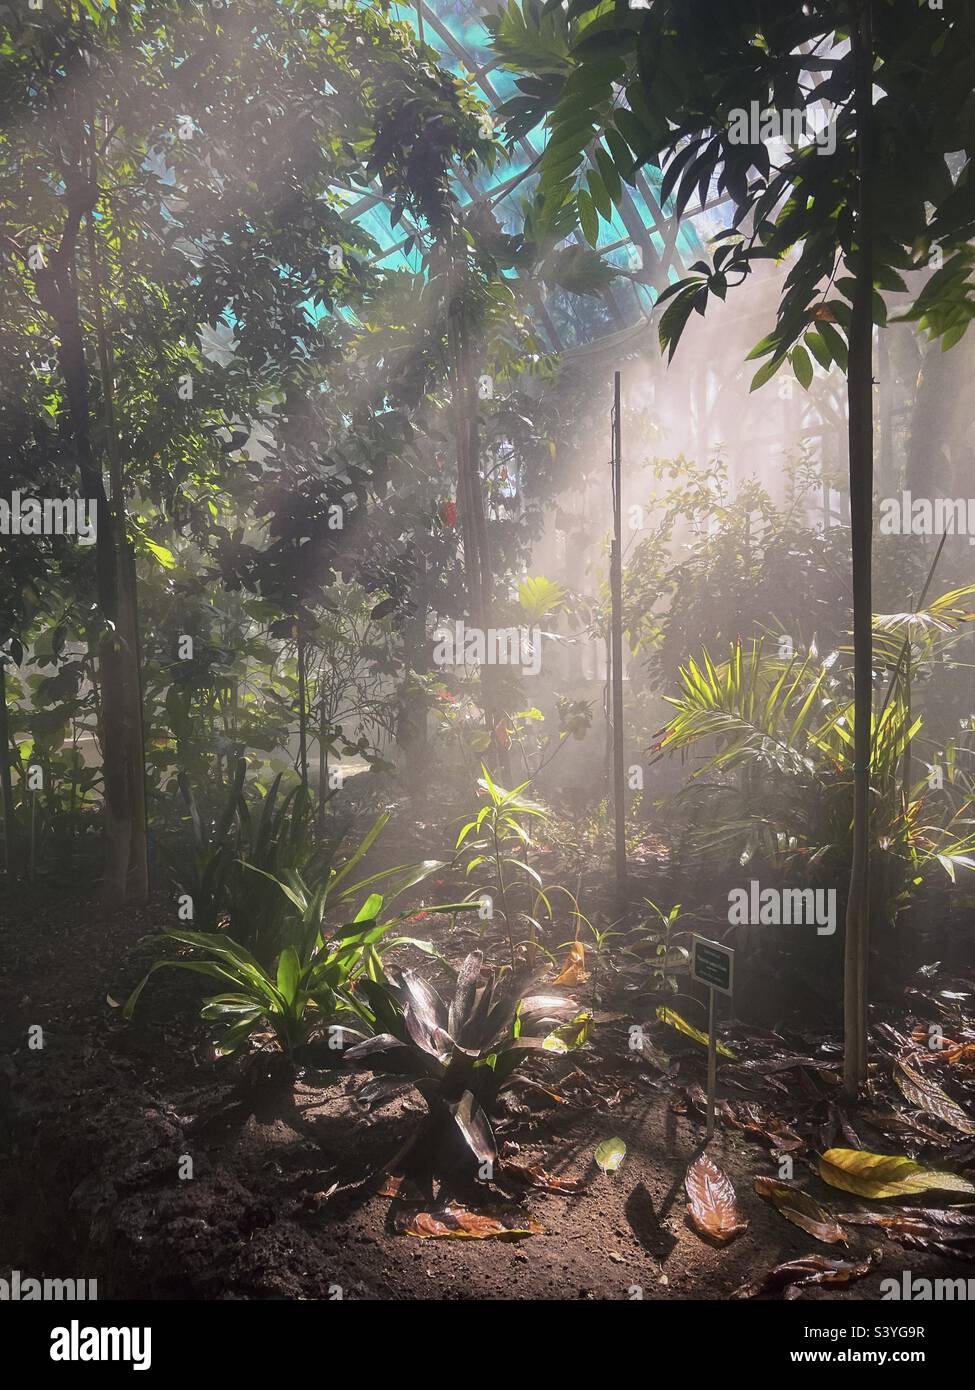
487,717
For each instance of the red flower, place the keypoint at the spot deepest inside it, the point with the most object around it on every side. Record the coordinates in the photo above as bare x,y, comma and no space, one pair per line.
448,513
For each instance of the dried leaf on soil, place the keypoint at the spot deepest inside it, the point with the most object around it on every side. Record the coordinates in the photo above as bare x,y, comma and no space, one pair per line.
753,1120
795,1275
962,1217
801,1209
316,1200
883,1175
574,970
947,1231
712,1205
454,1222
535,1176
399,1185
927,1095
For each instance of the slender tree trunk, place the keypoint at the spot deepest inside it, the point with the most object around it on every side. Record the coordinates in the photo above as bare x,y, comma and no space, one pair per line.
322,761
302,714
477,557
57,287
860,395
468,496
907,774
137,881
11,845
137,891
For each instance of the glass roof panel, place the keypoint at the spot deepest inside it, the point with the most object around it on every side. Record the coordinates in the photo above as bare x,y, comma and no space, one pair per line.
640,237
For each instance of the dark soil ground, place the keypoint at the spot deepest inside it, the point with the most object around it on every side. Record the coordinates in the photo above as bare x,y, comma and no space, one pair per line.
99,1122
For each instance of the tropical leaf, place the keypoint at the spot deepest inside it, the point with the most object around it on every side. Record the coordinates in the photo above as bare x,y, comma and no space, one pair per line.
879,1176
674,1020
801,1209
712,1205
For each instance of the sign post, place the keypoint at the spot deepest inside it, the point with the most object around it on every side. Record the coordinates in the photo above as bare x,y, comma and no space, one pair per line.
713,965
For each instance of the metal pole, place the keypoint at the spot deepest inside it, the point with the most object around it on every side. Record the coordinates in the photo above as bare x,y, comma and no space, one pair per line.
616,597
712,1065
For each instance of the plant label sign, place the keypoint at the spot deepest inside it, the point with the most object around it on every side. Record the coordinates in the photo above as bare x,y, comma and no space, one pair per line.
713,965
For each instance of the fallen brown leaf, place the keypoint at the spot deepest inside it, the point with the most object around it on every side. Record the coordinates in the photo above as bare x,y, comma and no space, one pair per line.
801,1209
712,1205
793,1276
535,1176
927,1095
453,1221
398,1185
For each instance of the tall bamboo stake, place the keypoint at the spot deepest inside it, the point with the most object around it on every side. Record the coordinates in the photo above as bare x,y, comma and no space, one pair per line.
616,643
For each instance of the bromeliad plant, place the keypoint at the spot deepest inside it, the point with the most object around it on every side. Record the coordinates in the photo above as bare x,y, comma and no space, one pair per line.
458,1055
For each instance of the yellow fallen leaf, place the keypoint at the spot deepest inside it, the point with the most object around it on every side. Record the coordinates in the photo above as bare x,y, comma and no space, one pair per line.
574,970
884,1175
672,1017
568,1036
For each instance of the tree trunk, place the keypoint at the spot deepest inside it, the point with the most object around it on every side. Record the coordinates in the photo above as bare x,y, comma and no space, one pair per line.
411,728
137,887
860,396
302,714
477,558
137,875
10,836
322,762
57,288
468,496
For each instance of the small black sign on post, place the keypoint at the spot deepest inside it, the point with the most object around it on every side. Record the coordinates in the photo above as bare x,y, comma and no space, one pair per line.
713,965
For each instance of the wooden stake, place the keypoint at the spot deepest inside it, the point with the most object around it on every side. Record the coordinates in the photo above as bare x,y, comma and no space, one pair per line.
616,644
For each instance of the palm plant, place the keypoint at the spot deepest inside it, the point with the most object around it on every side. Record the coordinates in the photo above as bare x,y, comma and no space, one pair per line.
786,728
246,865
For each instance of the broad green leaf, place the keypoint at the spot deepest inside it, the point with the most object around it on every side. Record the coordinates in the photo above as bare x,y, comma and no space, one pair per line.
588,217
